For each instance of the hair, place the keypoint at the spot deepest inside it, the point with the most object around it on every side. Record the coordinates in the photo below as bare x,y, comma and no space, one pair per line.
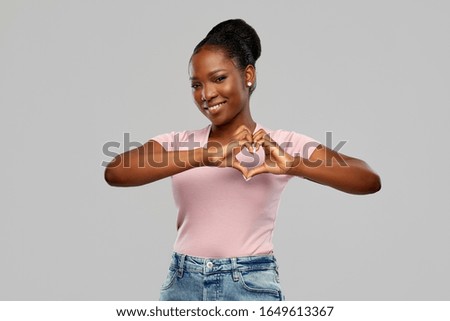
238,40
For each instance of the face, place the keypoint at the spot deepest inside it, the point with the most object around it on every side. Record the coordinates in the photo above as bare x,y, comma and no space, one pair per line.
219,87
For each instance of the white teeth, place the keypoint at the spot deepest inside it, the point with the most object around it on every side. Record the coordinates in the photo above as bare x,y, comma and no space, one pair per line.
215,107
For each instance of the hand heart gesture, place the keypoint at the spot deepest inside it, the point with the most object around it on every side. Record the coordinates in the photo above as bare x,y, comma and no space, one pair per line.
251,154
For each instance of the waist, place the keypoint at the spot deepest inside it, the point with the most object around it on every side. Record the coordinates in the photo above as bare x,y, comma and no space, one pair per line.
218,265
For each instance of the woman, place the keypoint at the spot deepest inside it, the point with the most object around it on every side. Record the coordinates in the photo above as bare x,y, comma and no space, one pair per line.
227,178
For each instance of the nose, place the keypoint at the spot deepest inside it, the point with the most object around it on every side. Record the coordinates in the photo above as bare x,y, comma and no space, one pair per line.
208,92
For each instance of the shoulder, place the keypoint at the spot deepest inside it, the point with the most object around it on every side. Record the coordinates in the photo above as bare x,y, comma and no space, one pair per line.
186,139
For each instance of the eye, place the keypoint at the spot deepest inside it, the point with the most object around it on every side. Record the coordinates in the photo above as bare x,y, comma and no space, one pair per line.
195,85
220,78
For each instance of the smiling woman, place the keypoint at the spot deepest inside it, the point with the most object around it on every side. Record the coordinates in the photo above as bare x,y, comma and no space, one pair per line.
228,177
219,88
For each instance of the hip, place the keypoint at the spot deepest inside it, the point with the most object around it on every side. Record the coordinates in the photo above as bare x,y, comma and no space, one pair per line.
228,279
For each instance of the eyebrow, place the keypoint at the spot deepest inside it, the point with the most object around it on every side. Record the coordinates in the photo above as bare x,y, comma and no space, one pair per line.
209,74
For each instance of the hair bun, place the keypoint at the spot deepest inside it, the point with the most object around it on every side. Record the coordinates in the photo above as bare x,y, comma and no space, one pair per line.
239,28
238,40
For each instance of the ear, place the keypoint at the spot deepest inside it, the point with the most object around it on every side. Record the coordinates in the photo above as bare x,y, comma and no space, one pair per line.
250,74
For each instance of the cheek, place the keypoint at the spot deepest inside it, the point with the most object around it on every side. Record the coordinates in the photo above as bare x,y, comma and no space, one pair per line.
235,88
196,95
230,89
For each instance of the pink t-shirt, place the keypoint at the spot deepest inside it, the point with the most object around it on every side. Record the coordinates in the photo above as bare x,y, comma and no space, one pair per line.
220,214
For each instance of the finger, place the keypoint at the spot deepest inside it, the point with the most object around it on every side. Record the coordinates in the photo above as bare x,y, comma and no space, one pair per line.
250,147
236,146
259,134
235,150
241,140
244,144
242,129
266,142
248,137
259,131
257,138
237,165
256,170
262,143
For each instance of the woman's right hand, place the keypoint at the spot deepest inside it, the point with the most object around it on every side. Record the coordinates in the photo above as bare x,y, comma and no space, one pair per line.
151,162
224,155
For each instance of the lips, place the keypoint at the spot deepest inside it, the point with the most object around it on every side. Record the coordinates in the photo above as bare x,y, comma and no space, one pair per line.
215,107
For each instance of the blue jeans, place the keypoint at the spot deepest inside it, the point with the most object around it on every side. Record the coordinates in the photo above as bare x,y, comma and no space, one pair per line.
250,278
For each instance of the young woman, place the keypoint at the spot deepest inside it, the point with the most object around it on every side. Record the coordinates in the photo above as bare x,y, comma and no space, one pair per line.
228,177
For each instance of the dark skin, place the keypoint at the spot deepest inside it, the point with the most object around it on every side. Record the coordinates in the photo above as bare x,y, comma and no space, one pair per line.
215,79
221,91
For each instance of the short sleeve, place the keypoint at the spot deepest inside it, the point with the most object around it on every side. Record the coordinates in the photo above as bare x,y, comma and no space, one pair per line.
165,140
184,140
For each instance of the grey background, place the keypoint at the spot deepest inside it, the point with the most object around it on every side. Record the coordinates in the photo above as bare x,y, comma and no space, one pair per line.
75,75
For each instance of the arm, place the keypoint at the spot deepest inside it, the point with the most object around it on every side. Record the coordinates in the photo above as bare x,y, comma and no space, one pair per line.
324,166
345,173
148,163
151,162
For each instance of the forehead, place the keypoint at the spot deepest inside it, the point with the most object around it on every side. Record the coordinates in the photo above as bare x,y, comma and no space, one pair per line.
207,61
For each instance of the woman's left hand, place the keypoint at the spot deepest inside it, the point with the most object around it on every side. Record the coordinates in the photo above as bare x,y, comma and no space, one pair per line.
324,166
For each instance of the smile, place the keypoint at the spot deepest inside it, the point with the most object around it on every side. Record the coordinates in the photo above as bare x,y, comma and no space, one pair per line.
214,107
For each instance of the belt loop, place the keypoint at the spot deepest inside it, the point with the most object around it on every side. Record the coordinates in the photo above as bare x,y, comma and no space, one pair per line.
276,271
234,269
181,265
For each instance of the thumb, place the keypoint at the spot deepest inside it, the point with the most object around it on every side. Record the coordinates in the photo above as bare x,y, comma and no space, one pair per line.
244,170
256,170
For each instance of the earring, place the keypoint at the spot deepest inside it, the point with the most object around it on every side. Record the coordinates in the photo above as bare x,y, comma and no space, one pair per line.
249,84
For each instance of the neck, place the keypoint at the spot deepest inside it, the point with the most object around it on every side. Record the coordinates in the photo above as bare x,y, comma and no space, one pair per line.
228,129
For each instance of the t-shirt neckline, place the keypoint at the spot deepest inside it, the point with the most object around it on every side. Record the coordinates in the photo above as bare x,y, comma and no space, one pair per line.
208,132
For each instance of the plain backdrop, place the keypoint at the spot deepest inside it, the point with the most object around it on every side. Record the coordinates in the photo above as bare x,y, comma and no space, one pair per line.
78,75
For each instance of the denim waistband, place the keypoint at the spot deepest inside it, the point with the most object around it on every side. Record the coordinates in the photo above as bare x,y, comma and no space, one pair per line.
207,266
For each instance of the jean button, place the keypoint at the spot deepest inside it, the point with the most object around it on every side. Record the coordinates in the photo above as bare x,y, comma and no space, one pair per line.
209,265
